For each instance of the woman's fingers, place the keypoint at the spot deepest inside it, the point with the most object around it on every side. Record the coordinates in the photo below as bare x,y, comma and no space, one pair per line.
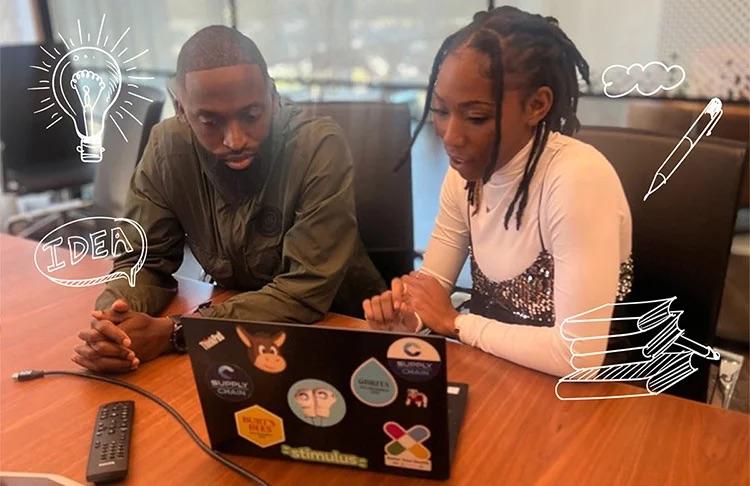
367,308
386,306
397,287
377,311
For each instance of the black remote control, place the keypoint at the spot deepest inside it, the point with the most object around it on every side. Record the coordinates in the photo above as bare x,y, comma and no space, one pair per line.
110,445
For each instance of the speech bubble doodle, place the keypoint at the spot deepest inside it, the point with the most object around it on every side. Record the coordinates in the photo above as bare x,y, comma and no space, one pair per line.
648,79
94,243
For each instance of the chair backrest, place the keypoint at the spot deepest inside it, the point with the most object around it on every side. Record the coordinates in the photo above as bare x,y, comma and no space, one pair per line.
682,233
120,156
378,135
38,153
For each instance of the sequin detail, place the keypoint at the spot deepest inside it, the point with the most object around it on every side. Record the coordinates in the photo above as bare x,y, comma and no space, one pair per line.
530,295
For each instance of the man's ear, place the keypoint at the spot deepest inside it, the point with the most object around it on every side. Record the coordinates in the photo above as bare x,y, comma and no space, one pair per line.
244,336
538,104
275,98
175,93
279,339
179,110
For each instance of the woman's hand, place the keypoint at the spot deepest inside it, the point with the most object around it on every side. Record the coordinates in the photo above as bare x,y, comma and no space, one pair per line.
431,301
389,311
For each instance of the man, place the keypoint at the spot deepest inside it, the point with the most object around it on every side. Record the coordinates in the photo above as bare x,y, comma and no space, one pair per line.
260,192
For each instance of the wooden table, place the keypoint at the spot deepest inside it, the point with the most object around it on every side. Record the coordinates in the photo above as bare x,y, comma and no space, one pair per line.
515,431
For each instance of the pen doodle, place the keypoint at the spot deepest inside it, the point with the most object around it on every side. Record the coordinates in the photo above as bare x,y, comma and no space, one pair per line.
670,166
88,95
662,362
619,80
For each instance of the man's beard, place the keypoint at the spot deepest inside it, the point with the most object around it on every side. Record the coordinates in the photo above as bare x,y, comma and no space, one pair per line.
236,186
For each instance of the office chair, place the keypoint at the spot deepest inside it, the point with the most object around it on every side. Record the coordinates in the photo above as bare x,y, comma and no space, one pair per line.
28,164
378,135
112,178
683,232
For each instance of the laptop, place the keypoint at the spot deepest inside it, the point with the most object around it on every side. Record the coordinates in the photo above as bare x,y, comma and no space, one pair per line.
361,399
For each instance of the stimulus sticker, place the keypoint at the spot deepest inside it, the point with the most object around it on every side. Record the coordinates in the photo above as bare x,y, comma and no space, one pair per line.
328,457
316,402
259,426
406,448
229,382
413,359
373,384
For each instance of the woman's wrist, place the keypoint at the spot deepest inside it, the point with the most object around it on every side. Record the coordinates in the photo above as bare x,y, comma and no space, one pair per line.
448,326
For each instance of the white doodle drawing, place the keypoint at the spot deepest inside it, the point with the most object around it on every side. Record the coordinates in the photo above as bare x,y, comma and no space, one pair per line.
635,76
94,243
666,356
670,165
90,96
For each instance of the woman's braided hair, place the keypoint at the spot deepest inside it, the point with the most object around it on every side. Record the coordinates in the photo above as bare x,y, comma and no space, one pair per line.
542,55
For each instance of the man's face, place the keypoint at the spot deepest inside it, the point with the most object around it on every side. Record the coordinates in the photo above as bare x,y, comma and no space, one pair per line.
229,109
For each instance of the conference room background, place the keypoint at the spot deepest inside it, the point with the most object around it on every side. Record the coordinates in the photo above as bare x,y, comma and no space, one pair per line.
693,56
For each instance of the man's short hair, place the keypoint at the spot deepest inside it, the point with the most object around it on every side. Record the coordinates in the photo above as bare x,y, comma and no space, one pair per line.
217,46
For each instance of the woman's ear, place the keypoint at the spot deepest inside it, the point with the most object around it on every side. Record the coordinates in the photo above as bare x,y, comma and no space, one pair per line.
538,105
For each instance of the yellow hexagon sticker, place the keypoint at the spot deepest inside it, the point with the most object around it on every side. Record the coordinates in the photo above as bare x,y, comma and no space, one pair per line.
259,426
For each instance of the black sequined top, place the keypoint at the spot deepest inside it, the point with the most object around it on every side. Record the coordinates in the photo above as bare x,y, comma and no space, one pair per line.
527,298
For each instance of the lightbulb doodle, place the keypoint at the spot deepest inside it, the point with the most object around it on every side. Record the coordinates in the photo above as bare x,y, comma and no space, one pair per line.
90,96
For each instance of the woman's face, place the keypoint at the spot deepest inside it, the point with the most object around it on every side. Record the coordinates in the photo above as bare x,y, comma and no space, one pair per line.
463,111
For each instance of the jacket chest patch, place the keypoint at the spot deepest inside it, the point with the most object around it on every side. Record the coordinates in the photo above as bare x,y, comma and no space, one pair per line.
268,221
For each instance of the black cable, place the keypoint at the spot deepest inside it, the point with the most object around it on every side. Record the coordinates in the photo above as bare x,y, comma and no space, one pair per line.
27,375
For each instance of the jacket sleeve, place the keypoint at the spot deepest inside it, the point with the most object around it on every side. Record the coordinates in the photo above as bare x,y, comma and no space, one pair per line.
317,248
146,205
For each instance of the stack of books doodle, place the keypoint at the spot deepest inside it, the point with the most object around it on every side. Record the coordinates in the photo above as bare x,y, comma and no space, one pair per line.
664,359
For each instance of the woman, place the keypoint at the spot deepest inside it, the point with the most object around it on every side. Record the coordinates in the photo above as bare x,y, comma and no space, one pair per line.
542,216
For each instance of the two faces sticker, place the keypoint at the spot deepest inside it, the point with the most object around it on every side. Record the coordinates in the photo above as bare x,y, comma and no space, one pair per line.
316,402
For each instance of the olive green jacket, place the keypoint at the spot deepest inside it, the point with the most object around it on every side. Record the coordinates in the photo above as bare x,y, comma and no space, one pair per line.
291,247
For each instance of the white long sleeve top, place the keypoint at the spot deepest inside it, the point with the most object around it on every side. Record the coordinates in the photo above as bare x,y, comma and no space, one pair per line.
578,205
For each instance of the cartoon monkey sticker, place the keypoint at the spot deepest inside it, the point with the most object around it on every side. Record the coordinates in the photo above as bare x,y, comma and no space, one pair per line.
264,350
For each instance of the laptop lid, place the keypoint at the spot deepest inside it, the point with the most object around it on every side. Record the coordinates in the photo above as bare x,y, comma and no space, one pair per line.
354,398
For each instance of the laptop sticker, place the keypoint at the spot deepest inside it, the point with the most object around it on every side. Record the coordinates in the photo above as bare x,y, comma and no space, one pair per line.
229,382
413,359
264,350
259,426
316,402
416,398
328,457
373,384
406,448
211,341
